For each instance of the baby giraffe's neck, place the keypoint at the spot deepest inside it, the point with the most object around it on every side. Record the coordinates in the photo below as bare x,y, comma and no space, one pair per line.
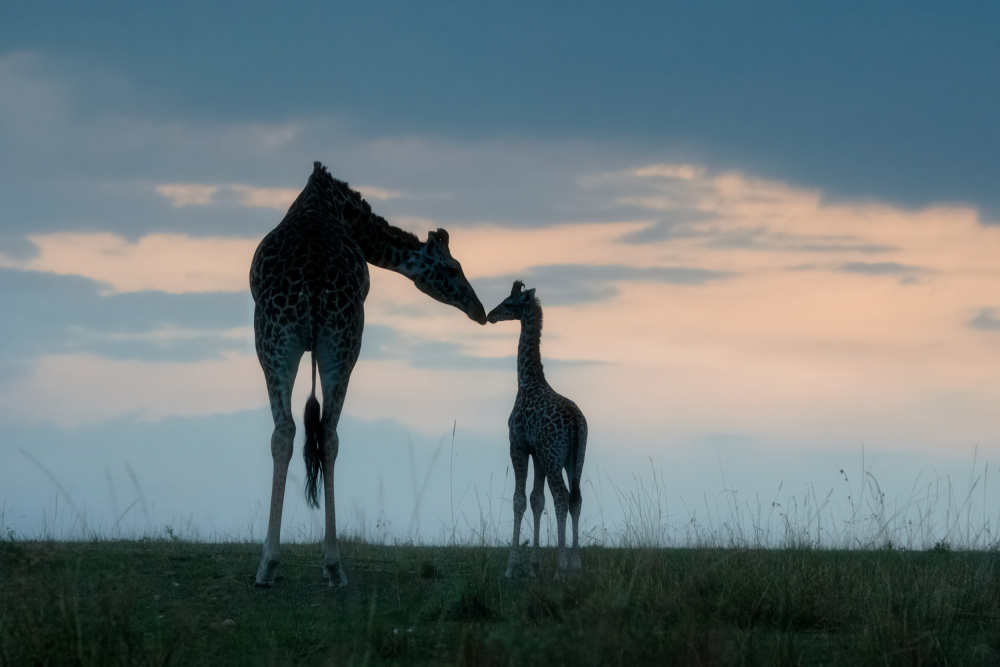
529,355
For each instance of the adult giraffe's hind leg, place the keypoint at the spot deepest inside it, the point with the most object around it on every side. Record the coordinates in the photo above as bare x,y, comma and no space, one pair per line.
333,568
334,378
280,376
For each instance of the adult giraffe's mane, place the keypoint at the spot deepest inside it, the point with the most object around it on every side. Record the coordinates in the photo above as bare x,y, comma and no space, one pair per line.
324,187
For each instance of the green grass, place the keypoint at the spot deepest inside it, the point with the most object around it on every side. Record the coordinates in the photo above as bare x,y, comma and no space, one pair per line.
175,602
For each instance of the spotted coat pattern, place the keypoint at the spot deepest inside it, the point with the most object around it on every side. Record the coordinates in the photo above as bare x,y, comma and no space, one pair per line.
550,429
309,280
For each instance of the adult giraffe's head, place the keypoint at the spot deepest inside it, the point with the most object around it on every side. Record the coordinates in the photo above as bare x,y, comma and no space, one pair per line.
439,275
515,306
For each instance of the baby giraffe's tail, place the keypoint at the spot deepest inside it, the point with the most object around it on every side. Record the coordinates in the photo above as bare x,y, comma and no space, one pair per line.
579,450
312,449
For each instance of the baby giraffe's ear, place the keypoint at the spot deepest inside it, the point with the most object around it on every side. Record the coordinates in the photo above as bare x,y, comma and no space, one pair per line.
530,294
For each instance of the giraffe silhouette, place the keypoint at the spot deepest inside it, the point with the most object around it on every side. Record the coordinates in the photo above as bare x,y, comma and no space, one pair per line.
309,280
548,427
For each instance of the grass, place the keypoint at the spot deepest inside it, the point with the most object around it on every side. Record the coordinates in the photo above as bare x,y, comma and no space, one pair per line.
157,602
907,580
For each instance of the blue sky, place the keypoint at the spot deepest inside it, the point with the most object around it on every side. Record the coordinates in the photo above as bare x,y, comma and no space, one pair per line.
763,234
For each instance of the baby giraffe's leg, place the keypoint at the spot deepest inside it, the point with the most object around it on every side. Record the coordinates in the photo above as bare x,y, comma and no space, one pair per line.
537,507
560,499
575,502
519,461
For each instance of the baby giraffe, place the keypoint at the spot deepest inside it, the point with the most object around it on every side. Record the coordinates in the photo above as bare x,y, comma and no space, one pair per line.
549,428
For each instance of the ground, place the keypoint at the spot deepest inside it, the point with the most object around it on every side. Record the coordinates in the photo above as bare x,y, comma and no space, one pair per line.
175,602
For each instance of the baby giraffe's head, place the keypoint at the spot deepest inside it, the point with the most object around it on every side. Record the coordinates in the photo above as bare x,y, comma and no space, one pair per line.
514,307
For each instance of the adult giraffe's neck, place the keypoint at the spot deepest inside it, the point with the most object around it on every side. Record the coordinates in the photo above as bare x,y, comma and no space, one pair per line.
385,246
529,354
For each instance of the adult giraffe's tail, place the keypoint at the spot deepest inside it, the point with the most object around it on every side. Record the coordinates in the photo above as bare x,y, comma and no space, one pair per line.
312,449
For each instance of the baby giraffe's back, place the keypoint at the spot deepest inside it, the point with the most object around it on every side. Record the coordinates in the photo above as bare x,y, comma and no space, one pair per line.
552,427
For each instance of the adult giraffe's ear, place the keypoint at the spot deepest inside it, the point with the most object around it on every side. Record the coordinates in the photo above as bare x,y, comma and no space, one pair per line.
440,236
530,294
431,245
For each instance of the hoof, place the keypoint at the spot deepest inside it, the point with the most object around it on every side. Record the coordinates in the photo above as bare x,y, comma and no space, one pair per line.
513,564
575,566
334,575
266,573
567,572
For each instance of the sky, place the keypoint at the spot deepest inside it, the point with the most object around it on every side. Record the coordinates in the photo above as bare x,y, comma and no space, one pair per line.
765,238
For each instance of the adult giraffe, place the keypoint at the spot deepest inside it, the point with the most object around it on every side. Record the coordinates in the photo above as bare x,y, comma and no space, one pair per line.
309,280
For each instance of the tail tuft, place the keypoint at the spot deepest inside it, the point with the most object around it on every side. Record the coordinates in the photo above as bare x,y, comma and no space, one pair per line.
312,449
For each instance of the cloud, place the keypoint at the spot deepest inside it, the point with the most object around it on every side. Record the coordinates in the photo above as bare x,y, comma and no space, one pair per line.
32,95
168,343
376,193
382,343
111,167
88,389
807,358
17,249
676,225
986,319
677,275
244,195
689,332
907,274
171,263
249,196
187,195
49,313
728,210
224,462
683,172
881,269
277,198
574,284
114,168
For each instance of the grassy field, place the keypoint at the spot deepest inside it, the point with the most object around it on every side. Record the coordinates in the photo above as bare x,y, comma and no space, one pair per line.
175,602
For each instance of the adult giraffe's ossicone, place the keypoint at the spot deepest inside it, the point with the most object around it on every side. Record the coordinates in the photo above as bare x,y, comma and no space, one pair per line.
309,280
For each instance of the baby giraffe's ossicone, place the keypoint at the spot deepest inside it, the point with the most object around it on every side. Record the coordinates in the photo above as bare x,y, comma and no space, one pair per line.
550,429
